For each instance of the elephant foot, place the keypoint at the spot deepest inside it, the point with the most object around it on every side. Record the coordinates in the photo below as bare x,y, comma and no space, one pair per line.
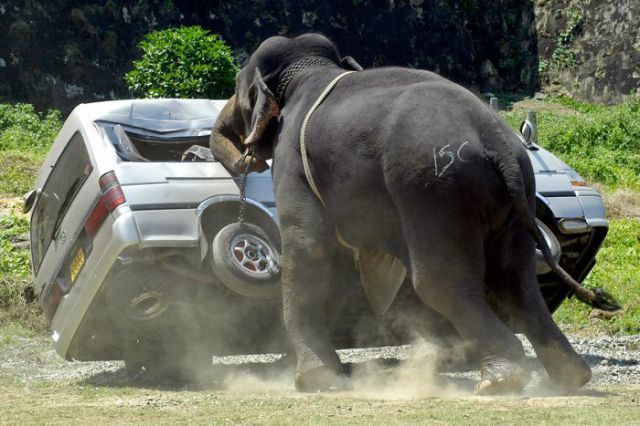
502,376
321,379
569,373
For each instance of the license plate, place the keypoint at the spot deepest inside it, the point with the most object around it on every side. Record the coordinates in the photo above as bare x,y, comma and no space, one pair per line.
77,263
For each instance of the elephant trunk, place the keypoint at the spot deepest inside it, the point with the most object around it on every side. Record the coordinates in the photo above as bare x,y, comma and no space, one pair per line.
262,122
227,135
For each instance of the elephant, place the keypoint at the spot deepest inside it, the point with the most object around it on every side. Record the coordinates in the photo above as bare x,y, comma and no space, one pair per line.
406,167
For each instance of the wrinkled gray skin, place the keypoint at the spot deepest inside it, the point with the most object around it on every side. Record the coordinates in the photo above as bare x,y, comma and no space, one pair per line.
228,132
411,164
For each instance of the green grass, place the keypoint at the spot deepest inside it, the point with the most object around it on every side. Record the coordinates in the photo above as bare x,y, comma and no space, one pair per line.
601,143
25,139
617,271
16,286
14,262
81,403
11,332
18,172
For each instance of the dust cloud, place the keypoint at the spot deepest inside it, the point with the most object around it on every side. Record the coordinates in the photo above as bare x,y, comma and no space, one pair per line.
418,376
247,382
178,339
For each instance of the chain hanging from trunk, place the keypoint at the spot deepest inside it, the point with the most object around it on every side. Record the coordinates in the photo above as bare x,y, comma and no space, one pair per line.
243,182
243,201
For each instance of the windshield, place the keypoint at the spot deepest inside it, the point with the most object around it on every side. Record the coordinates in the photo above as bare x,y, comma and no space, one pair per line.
69,173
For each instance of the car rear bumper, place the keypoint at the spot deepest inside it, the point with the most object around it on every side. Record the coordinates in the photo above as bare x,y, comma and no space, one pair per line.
108,244
579,223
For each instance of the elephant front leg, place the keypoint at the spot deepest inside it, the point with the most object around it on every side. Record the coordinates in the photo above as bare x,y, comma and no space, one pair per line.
500,375
306,274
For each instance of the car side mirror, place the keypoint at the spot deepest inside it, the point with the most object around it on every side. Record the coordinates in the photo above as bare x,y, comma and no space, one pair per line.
29,199
528,129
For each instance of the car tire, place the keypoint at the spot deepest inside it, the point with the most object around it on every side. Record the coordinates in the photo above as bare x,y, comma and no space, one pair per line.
246,261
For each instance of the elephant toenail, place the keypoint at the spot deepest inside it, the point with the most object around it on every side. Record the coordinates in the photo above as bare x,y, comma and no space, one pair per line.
481,386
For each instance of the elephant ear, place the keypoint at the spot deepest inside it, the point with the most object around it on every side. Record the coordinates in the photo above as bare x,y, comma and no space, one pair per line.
349,63
264,110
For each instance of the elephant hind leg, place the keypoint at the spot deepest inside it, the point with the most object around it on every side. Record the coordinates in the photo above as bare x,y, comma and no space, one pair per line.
517,288
565,368
448,275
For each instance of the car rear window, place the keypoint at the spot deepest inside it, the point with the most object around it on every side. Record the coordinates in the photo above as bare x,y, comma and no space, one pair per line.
67,177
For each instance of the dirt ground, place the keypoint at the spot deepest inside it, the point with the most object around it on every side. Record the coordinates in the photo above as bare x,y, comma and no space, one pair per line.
393,385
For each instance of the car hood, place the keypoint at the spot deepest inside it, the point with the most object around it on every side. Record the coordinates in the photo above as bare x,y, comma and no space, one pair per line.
545,162
166,118
553,176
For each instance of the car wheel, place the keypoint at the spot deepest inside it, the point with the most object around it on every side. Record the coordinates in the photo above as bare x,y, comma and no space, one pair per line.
246,261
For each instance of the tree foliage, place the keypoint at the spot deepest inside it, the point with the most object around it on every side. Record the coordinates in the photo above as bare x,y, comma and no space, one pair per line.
184,62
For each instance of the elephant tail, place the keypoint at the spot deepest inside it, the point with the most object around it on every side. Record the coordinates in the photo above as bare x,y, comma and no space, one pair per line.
511,172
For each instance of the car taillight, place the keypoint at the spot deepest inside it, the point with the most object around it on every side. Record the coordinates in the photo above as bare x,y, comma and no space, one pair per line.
53,298
111,196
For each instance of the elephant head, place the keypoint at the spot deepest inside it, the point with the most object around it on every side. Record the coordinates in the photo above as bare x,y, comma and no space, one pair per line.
250,117
228,138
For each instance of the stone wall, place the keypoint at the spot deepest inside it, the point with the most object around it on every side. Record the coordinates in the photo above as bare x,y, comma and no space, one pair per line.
58,53
599,61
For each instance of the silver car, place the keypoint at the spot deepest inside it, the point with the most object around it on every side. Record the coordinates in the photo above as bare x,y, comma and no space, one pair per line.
134,256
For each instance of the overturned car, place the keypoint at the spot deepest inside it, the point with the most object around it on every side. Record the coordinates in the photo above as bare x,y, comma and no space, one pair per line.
134,259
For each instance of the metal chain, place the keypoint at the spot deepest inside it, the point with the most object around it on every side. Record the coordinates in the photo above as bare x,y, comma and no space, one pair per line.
277,257
243,182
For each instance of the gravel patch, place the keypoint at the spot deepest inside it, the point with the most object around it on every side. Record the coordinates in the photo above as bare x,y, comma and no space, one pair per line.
615,360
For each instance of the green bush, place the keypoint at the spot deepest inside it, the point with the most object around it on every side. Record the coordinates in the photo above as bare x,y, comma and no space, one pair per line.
185,62
601,143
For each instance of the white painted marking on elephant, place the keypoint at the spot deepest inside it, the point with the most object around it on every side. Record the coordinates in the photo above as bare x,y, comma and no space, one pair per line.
460,149
445,151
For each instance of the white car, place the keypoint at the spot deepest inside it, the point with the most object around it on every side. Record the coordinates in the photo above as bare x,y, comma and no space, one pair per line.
133,256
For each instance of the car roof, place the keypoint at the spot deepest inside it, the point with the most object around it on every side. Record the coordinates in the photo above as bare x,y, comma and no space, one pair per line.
159,116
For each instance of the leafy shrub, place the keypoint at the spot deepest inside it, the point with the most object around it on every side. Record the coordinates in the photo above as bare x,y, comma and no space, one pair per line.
185,62
565,55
